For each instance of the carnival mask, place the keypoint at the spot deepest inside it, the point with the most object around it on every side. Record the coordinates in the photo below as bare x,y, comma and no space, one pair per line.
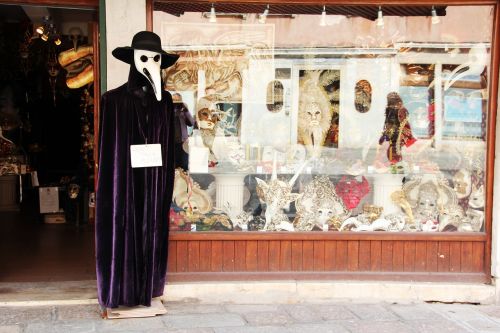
148,64
427,200
462,183
477,197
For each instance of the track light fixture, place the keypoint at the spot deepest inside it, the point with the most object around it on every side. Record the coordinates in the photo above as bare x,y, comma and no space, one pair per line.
322,22
213,17
434,18
263,16
48,31
43,27
380,17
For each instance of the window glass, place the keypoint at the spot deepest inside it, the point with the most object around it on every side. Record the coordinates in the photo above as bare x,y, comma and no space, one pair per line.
363,118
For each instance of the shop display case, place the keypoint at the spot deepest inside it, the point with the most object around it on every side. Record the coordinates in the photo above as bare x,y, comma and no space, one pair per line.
304,123
319,154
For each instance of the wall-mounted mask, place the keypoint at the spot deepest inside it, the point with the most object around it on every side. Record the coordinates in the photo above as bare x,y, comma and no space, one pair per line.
274,96
363,96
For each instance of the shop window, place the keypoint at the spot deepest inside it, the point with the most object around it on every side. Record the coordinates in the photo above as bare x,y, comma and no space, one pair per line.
372,129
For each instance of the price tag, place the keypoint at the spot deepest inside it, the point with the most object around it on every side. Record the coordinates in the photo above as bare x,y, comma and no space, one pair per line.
145,156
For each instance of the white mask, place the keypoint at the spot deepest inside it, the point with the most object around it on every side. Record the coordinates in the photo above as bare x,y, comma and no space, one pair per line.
148,64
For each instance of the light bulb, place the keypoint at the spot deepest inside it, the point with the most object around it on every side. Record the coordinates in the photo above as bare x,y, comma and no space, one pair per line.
322,22
213,16
45,37
263,16
57,41
380,18
40,30
434,18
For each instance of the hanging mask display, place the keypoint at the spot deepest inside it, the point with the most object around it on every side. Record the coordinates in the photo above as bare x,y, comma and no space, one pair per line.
53,70
207,118
78,66
397,130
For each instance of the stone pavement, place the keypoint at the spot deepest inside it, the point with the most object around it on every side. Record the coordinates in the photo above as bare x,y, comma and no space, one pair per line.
276,318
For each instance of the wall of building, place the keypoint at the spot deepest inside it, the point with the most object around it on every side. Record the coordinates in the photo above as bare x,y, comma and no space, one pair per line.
124,18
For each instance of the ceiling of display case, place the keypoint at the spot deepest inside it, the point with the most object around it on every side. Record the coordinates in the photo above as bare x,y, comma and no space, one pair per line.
368,12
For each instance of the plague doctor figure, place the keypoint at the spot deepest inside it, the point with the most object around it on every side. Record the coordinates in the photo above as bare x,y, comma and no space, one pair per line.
135,178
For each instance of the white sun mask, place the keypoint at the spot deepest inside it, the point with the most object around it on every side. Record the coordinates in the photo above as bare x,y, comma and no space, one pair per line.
148,64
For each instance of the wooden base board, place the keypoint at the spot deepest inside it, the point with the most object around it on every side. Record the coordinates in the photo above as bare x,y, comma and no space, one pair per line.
139,311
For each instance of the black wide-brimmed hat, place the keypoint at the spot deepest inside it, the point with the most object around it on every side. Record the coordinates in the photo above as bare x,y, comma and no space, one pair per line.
145,40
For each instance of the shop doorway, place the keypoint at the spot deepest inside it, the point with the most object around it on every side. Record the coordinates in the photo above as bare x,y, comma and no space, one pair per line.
48,62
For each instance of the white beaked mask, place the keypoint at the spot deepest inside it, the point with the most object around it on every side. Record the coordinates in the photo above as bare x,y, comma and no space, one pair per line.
148,64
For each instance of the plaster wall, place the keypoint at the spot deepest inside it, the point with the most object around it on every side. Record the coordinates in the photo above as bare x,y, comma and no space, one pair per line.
124,18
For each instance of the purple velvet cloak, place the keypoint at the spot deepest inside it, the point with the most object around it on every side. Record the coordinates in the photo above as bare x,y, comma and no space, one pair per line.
132,205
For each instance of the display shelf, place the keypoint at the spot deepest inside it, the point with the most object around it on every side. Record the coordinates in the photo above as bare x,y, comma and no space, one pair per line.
331,235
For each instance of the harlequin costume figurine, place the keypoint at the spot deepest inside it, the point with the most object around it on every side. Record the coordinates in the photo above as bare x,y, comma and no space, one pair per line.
133,199
397,130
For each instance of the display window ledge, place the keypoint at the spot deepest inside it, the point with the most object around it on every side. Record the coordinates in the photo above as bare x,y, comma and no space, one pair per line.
255,235
331,276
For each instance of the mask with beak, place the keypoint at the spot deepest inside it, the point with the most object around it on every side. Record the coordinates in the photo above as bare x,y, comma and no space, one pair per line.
148,64
146,54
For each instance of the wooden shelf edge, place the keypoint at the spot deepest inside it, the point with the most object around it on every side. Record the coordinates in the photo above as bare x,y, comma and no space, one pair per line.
333,236
332,276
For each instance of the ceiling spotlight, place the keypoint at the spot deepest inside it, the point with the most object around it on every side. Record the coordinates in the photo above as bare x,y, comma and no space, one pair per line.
380,17
434,18
213,17
263,16
40,30
322,22
45,37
